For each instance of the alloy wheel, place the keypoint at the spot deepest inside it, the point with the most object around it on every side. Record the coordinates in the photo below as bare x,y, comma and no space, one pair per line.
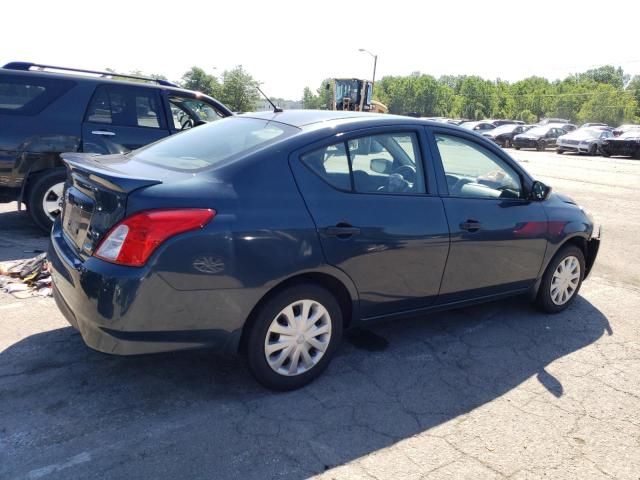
565,280
298,337
52,200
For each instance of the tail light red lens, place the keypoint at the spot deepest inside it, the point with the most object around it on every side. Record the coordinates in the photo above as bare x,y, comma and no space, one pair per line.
132,241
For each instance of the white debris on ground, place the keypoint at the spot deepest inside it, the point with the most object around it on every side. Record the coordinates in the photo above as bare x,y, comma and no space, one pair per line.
26,278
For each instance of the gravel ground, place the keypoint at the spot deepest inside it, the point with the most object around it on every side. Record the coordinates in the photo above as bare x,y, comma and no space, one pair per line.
495,391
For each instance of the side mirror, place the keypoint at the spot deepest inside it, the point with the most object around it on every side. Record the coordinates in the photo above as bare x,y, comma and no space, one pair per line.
539,191
380,165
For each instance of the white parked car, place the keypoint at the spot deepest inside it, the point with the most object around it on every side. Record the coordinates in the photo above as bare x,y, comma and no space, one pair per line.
583,140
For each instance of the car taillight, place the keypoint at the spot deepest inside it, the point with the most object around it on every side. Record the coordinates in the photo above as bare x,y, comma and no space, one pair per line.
132,241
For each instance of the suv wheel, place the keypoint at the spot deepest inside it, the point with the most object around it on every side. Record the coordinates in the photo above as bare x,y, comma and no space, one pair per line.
294,337
45,196
562,280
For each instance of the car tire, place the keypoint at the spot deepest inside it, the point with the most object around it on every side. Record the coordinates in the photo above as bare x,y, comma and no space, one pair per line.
593,150
276,339
563,276
517,148
506,143
540,146
43,193
559,151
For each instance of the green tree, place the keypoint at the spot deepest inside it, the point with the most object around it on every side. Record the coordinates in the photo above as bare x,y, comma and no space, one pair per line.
238,90
608,105
606,74
200,81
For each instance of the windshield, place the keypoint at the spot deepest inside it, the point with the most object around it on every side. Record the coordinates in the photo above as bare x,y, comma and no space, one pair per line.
503,129
207,145
587,133
635,133
538,131
468,125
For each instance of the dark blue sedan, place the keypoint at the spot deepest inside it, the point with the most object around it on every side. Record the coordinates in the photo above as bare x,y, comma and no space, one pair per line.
269,234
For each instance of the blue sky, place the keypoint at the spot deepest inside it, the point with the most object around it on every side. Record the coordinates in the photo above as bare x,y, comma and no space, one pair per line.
288,45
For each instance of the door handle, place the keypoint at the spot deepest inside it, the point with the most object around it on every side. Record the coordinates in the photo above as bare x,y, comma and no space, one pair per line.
471,225
105,133
342,231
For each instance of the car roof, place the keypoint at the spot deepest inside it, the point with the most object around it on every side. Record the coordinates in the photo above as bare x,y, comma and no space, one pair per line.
305,118
85,77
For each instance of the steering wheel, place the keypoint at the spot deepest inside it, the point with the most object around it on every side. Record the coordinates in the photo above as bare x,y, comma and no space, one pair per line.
408,172
186,122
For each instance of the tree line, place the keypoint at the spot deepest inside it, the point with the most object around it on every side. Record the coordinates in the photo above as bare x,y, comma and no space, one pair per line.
604,94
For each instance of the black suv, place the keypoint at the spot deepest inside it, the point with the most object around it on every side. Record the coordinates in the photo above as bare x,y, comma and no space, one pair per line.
47,110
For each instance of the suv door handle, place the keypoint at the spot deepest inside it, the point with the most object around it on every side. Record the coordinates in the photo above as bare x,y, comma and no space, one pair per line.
106,133
342,231
471,225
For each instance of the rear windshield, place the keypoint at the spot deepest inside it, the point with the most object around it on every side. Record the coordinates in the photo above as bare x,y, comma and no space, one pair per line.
207,145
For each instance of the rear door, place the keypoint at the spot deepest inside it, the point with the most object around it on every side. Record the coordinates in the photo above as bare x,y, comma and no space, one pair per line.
498,236
121,118
377,216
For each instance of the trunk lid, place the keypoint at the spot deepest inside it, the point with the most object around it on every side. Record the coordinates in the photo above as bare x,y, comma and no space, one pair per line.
95,196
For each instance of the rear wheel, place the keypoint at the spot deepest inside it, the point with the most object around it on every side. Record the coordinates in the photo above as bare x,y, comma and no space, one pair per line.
44,197
517,148
562,280
506,143
294,337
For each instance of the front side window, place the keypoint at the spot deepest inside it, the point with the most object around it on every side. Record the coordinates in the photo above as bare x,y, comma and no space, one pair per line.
472,171
188,112
386,163
125,107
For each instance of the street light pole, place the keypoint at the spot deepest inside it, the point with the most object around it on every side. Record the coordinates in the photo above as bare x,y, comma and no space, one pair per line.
375,62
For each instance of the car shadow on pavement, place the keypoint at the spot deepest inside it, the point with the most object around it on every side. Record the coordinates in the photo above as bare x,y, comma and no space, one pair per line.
19,237
71,412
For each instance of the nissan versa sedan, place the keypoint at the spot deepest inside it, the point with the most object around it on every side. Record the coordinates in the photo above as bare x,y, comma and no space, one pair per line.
268,234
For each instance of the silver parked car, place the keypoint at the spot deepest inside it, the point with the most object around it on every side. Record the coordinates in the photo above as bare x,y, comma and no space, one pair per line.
583,140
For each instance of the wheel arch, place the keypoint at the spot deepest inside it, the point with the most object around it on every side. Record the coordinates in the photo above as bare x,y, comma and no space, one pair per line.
342,289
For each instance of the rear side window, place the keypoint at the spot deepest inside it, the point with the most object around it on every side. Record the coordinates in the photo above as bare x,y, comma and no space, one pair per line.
207,145
381,164
29,95
125,107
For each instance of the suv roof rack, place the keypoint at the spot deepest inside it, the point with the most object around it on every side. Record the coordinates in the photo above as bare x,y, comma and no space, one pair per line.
28,66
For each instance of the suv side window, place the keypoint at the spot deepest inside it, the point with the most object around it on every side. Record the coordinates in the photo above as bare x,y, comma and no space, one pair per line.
187,112
29,96
125,107
473,171
386,163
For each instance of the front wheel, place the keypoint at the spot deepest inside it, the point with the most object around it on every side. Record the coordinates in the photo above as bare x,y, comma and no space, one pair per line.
517,148
540,146
294,336
559,151
562,280
593,150
506,143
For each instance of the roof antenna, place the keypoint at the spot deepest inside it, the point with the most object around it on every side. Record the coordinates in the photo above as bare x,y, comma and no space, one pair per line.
275,109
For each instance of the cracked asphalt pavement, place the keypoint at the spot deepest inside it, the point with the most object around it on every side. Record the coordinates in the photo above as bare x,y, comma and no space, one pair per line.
495,391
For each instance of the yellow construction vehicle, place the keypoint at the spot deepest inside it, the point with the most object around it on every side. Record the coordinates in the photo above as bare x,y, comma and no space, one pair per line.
353,94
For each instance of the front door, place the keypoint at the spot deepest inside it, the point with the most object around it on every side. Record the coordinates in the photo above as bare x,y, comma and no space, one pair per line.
368,195
121,118
498,238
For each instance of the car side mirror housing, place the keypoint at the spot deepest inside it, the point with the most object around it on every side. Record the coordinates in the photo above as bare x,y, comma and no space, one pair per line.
539,191
380,165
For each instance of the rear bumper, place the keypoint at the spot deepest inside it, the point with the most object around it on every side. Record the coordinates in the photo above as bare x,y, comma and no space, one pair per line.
129,311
